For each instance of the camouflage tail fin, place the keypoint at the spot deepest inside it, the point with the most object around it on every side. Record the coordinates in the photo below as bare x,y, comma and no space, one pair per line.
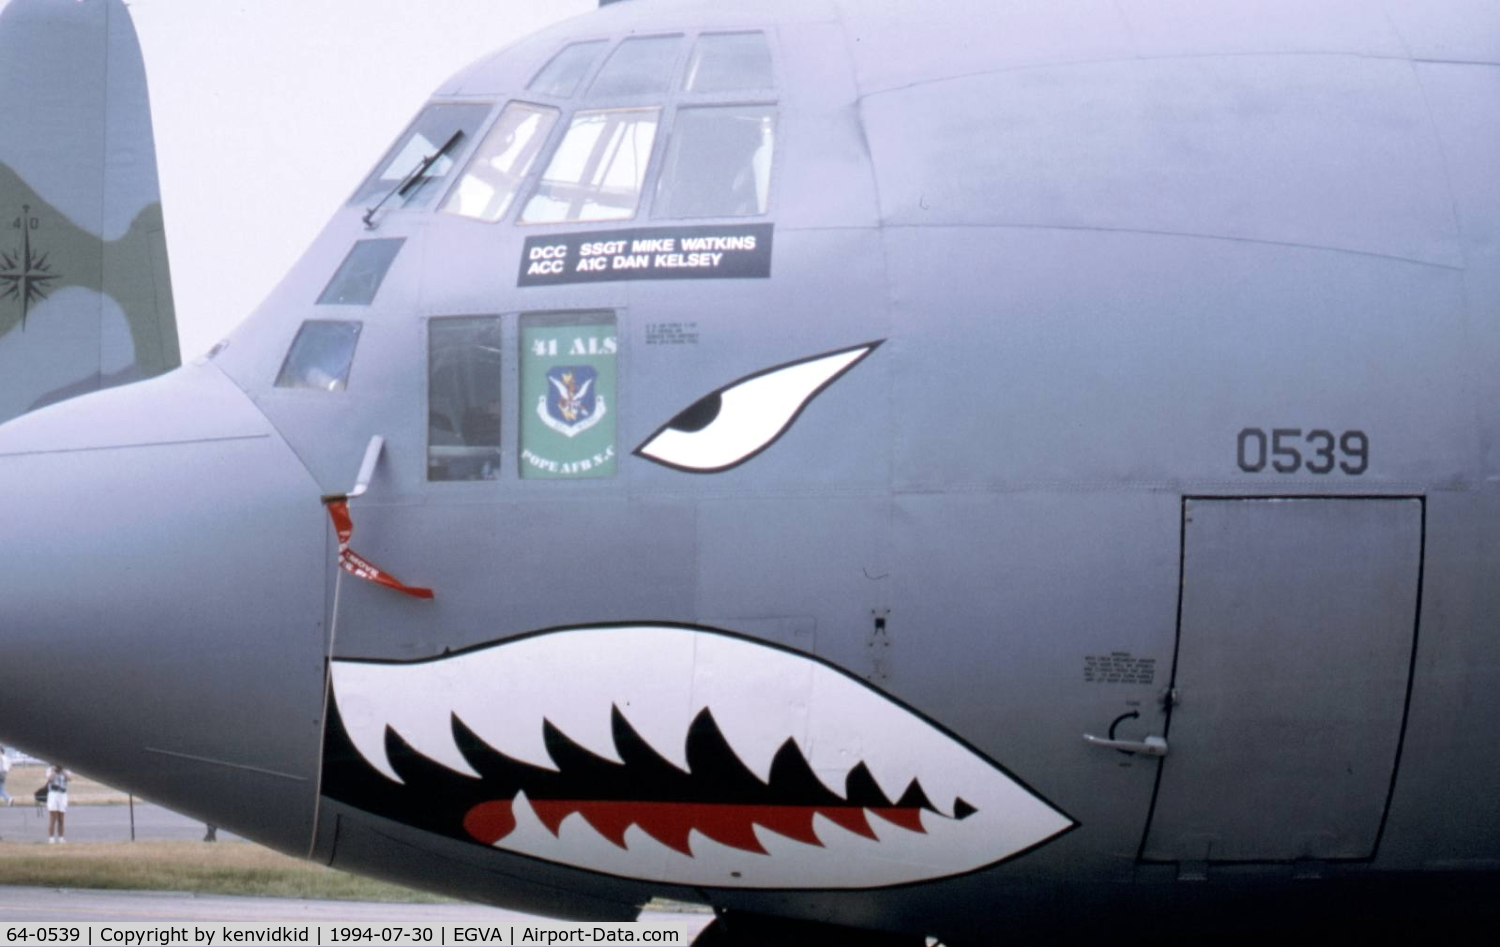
85,291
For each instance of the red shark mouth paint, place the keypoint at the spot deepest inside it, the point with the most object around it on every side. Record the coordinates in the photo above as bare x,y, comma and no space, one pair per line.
673,754
716,796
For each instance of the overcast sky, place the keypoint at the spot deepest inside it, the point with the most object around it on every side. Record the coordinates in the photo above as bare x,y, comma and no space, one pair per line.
269,112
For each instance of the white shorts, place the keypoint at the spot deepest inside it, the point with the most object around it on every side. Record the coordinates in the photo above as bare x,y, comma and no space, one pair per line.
57,802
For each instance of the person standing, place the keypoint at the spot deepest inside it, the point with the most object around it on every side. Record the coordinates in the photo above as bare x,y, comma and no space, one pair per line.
4,772
57,802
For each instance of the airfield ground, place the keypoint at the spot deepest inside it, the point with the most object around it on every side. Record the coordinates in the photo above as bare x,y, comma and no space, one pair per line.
169,854
26,778
170,873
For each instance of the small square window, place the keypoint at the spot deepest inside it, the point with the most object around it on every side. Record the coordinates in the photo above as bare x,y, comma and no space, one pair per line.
639,66
358,278
729,62
561,75
320,356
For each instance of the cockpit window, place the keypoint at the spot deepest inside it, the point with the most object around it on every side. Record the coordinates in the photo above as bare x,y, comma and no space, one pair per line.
718,162
358,278
320,356
499,166
597,171
639,66
463,398
561,75
433,129
729,62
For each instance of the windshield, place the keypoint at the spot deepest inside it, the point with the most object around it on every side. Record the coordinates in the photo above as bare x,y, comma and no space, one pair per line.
597,171
718,162
501,163
433,129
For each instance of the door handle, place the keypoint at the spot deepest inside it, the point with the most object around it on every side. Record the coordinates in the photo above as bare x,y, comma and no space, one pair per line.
1151,746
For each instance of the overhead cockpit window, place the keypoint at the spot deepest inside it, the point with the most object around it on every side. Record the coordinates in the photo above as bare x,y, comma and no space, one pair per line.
463,398
561,75
568,406
639,66
718,162
725,428
729,62
431,142
495,173
358,278
320,356
597,171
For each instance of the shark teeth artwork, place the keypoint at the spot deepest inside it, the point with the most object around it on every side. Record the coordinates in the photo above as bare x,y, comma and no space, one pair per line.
673,754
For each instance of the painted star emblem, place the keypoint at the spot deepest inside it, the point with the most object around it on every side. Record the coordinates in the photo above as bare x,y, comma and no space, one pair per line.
25,274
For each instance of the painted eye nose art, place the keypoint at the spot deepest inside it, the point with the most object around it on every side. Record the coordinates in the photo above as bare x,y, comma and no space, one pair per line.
727,427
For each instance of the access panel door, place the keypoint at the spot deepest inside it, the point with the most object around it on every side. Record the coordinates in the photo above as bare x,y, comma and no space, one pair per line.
1294,652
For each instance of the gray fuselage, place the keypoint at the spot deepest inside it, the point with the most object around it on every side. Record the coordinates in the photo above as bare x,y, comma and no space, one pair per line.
1187,341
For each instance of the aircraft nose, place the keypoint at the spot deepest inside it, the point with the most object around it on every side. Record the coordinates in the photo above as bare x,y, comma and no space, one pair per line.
163,561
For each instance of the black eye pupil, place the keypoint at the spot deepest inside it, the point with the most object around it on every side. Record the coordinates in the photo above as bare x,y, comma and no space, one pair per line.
697,416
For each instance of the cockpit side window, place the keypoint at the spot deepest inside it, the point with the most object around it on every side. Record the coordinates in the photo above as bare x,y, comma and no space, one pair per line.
718,162
563,72
463,398
427,136
500,165
729,62
598,169
638,66
320,356
358,278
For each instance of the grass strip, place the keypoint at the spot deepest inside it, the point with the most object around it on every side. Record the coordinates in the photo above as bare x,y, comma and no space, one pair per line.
238,868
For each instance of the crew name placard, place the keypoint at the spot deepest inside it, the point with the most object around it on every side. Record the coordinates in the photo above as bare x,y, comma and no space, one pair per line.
735,252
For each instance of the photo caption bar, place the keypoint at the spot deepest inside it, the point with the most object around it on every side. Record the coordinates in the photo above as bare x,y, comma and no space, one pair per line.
397,935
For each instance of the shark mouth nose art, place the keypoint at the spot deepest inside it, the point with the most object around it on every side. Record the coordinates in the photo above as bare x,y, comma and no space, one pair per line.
673,754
